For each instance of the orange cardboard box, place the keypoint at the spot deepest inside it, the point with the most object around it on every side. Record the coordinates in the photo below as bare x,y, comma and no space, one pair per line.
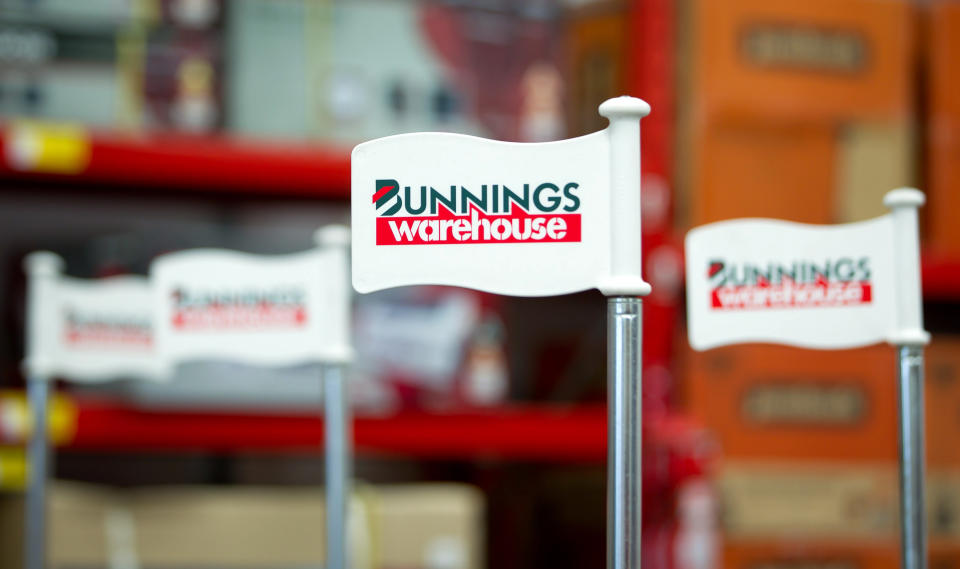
810,500
810,555
781,403
942,22
754,170
596,58
943,88
942,395
818,59
944,554
943,191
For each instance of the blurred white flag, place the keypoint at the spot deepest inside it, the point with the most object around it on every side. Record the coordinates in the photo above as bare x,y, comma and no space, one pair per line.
261,310
88,330
815,286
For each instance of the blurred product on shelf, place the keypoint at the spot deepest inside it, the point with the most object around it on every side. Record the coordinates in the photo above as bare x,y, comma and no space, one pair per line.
799,111
113,64
941,49
416,348
421,526
181,87
784,403
429,347
62,71
430,68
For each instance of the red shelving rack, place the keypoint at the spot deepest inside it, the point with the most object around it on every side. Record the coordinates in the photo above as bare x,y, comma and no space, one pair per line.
208,163
537,432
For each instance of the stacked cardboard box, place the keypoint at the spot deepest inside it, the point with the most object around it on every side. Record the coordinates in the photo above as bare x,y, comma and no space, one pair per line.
809,441
421,526
942,48
801,110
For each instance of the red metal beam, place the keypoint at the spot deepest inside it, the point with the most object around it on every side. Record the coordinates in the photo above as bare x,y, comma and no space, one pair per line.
172,162
513,432
940,276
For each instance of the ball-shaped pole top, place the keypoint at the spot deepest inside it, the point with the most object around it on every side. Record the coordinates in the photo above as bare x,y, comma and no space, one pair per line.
624,107
43,264
904,197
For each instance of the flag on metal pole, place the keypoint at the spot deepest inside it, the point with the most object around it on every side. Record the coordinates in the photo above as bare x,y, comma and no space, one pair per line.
814,286
88,330
522,220
279,310
511,218
828,287
80,330
263,310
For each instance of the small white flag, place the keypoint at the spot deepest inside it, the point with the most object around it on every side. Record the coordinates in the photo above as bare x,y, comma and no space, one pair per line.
88,330
509,218
261,310
826,286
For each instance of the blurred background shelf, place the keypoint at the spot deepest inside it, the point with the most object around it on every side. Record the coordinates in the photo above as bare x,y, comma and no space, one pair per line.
941,276
530,432
76,156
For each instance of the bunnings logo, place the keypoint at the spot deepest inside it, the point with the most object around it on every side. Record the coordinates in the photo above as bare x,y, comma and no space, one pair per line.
245,309
107,330
844,281
493,213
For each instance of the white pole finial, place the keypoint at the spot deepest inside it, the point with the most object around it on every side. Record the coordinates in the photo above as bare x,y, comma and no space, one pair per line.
335,239
626,264
42,264
908,331
43,270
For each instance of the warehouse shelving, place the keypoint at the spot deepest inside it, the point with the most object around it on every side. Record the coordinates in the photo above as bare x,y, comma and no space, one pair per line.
518,431
535,431
185,162
221,164
215,164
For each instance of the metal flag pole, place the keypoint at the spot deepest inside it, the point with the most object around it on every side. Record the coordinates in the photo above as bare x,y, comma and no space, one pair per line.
337,419
337,438
43,269
909,338
913,532
38,453
624,289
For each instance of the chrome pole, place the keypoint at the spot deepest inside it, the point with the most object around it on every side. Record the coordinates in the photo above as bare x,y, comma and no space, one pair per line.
912,512
337,434
38,454
624,414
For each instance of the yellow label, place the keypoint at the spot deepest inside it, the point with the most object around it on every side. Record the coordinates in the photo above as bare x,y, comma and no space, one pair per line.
13,468
15,420
47,147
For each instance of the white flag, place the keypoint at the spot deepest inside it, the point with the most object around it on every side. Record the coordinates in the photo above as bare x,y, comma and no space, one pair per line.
261,310
763,280
88,330
509,218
